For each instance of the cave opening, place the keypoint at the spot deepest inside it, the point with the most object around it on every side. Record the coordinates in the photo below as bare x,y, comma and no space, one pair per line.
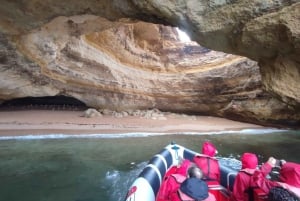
183,37
44,103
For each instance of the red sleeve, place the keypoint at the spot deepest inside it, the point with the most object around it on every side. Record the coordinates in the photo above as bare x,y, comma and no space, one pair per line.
164,191
260,180
265,169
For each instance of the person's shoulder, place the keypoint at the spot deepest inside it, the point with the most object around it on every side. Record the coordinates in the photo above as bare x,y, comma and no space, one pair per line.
177,177
248,171
205,156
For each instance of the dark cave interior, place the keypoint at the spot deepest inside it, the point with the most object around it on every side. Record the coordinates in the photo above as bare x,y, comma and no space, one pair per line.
46,102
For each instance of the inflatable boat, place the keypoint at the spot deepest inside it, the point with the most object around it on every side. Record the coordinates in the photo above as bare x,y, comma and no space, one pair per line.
146,186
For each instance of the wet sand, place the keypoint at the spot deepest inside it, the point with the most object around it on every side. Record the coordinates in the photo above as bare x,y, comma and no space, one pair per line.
44,122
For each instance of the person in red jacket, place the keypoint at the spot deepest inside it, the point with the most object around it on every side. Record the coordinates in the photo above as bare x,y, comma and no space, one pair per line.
207,163
243,185
172,182
289,177
193,188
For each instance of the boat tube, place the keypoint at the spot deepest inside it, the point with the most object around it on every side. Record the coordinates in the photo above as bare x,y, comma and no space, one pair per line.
146,186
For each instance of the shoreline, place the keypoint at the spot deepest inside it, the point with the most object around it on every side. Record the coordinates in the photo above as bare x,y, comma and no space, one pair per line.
45,122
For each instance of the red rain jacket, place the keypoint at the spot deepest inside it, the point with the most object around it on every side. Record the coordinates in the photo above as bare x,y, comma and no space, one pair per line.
169,186
290,174
184,167
289,178
180,196
243,183
209,149
172,182
209,166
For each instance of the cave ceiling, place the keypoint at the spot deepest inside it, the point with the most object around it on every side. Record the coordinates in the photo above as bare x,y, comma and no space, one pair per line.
126,54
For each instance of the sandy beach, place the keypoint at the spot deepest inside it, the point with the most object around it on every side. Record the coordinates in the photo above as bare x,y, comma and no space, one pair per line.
43,122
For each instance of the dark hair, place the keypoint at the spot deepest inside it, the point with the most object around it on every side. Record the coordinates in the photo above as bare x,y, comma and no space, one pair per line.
193,170
281,194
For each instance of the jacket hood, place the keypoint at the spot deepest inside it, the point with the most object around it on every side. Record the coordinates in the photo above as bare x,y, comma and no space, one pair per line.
290,174
249,160
209,149
195,188
184,167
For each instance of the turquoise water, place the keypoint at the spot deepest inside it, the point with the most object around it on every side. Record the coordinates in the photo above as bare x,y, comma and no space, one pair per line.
102,167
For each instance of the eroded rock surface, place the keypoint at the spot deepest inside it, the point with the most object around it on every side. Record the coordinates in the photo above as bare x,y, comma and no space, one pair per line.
266,31
108,61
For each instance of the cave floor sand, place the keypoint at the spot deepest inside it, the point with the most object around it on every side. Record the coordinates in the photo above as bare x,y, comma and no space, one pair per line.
44,122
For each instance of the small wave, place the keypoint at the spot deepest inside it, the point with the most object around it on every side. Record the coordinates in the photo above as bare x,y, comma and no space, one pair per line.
112,174
65,136
140,134
243,131
262,131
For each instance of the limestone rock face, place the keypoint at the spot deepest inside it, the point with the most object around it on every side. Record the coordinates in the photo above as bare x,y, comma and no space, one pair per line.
108,61
266,31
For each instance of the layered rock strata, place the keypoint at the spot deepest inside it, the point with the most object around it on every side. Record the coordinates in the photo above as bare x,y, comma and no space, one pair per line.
125,64
265,31
108,61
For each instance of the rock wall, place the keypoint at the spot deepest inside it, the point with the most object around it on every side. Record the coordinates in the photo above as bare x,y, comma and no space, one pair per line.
265,31
108,61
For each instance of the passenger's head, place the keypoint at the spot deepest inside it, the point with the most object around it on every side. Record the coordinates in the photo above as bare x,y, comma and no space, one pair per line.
209,149
195,172
280,194
249,160
290,174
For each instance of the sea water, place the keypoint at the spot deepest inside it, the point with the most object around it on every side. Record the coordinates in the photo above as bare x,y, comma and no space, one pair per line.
102,167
